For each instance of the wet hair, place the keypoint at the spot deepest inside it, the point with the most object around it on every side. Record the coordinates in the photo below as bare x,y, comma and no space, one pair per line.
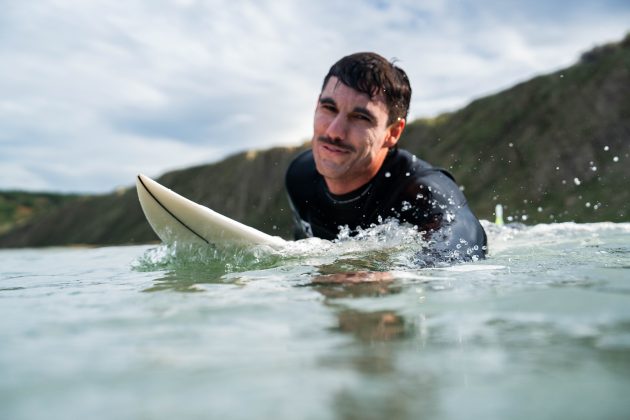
372,74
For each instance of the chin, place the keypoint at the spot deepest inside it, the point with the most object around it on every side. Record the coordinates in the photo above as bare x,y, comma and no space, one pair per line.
328,170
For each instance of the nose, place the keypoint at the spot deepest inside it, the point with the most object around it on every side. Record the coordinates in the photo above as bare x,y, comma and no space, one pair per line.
337,128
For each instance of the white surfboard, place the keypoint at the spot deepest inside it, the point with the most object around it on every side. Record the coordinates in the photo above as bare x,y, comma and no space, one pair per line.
176,219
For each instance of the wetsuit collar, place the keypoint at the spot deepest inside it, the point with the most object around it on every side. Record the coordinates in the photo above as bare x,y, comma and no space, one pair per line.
350,197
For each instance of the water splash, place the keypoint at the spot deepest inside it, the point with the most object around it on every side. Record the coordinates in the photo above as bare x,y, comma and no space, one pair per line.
389,246
206,258
389,253
380,247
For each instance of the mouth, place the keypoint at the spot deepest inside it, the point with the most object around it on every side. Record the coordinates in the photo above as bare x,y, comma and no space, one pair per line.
334,147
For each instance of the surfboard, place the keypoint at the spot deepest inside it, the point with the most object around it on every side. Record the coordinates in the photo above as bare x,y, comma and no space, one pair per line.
178,220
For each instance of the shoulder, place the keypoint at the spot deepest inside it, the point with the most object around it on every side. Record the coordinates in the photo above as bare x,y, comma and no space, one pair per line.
301,172
416,166
302,164
434,183
417,169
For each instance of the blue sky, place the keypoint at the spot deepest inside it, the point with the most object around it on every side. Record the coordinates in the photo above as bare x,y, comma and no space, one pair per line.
92,93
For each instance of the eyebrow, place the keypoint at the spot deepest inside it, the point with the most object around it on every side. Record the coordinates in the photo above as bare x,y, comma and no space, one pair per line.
327,101
358,109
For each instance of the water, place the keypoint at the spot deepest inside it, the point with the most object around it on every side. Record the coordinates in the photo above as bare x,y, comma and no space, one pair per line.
352,330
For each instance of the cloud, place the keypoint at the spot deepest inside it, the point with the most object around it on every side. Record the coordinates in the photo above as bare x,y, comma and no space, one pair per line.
93,92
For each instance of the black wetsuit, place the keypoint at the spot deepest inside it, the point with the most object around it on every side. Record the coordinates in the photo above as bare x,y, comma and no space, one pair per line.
405,188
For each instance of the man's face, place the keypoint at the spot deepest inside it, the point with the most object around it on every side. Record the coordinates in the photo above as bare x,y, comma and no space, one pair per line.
351,136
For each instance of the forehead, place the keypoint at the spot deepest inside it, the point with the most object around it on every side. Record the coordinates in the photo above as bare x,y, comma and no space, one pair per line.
344,95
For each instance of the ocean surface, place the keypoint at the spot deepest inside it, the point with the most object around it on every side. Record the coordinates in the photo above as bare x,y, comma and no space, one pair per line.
356,329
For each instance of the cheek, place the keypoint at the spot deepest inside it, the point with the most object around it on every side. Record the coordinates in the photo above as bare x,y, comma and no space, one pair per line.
320,122
368,144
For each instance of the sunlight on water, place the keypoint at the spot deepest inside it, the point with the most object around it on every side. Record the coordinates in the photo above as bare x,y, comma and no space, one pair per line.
355,328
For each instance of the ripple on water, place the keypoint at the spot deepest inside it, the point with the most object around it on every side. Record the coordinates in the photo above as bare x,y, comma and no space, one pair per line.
353,325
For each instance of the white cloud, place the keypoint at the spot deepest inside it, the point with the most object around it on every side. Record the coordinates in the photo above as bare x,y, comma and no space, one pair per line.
93,92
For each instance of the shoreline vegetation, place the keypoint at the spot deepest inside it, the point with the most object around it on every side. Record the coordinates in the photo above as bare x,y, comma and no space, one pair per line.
552,149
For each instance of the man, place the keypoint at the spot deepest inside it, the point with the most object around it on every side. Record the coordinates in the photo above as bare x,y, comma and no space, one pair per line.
355,175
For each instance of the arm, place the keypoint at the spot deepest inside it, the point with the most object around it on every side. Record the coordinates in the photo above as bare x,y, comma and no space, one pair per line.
434,203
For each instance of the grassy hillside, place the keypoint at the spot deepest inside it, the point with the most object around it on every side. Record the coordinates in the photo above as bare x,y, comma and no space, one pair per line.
248,186
19,207
555,148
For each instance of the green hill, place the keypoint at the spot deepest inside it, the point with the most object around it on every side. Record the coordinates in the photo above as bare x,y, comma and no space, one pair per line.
248,186
555,148
19,207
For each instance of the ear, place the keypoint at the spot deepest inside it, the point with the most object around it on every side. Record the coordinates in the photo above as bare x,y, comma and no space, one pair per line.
394,131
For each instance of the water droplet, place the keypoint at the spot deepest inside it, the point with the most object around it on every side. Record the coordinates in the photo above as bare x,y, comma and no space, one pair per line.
557,168
511,144
606,148
588,204
594,168
540,209
407,174
576,181
524,217
388,174
616,159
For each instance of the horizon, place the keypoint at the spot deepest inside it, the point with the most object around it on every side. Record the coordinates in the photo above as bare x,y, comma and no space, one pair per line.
94,94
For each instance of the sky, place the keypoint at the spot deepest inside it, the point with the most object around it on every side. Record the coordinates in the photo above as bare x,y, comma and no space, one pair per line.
94,92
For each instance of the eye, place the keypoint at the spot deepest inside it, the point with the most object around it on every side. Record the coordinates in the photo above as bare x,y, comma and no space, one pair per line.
361,117
328,107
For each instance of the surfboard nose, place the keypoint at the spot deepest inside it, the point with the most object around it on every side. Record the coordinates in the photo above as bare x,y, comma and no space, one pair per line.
175,218
145,183
141,184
